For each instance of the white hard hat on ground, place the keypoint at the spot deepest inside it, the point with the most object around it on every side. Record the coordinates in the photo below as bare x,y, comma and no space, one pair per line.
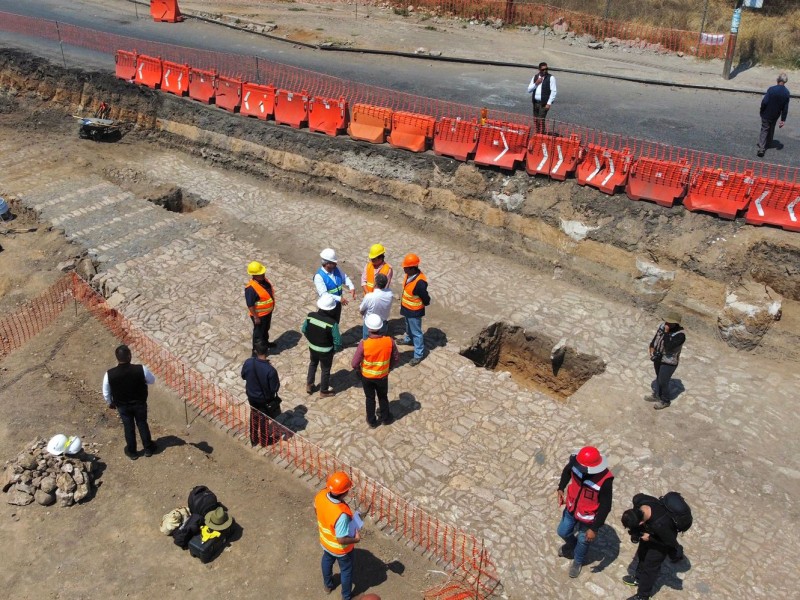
329,255
373,322
326,302
73,445
57,444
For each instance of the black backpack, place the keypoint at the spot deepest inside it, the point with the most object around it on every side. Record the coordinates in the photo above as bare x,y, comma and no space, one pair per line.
202,500
678,510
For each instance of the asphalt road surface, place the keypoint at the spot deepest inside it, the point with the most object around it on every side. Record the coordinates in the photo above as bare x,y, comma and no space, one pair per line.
718,122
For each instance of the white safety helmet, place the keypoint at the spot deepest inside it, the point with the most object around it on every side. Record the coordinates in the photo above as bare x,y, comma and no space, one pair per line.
57,444
326,302
329,255
373,322
73,445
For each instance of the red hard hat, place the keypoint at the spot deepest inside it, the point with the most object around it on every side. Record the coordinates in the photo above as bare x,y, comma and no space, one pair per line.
411,260
590,457
339,483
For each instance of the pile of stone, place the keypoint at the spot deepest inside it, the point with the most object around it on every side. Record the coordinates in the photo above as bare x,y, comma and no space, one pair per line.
38,476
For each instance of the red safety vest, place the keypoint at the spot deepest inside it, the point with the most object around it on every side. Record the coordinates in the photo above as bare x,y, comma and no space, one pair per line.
327,514
377,356
409,300
583,494
385,268
265,302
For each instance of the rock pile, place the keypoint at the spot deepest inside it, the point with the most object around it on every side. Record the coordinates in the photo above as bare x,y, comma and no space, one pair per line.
36,475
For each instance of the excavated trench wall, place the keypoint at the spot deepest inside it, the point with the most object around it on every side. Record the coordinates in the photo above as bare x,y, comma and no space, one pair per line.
635,252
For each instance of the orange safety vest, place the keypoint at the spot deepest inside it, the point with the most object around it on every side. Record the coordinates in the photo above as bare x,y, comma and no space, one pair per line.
409,300
583,494
265,302
385,268
327,514
377,355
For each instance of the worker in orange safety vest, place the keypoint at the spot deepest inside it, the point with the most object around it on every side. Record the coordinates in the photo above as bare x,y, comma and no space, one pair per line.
374,357
376,264
412,305
260,299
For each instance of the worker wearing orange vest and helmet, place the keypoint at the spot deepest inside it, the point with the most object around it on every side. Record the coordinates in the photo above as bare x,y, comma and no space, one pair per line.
376,264
374,357
260,299
334,519
412,305
586,505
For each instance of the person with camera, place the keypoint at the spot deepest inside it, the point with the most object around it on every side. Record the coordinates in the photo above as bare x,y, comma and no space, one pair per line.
652,527
665,352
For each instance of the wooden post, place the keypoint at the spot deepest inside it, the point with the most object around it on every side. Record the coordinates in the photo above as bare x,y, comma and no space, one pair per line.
735,21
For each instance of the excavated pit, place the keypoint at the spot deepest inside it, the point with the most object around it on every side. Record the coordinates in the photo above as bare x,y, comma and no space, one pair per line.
174,199
534,360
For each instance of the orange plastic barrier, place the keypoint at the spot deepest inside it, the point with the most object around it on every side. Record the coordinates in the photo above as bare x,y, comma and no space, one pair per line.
166,11
148,71
125,65
661,181
720,192
202,85
175,78
553,155
501,144
327,115
291,108
455,138
775,203
369,123
604,169
228,94
258,100
411,131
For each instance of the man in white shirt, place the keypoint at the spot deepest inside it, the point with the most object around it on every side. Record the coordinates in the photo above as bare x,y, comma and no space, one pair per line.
377,302
330,279
543,90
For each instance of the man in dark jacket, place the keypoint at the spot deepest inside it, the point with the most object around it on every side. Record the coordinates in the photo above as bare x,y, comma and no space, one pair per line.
322,332
262,385
774,106
652,527
665,352
125,388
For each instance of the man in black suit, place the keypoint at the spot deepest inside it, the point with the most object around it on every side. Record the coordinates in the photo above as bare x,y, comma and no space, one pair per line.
774,106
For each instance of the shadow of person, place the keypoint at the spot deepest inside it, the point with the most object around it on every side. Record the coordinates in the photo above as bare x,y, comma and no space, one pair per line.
777,144
370,571
435,338
344,379
351,337
397,327
668,575
286,341
204,447
405,404
676,388
168,441
294,418
605,547
98,468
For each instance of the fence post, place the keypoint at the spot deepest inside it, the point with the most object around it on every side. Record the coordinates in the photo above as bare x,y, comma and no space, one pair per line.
735,21
61,45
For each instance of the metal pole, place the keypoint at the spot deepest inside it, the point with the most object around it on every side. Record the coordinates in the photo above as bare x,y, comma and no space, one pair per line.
608,9
61,45
136,8
702,25
735,21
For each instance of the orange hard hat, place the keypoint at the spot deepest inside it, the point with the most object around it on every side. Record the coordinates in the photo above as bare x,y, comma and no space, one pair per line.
411,260
590,458
339,483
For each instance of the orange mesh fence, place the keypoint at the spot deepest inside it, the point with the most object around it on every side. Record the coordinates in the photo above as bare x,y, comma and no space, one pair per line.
461,552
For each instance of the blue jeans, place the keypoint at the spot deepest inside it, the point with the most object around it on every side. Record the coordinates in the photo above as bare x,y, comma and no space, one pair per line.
346,569
414,335
383,330
566,531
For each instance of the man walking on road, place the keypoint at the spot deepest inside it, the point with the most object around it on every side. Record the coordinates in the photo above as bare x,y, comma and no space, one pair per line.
665,352
377,302
412,305
374,357
322,332
652,527
774,106
261,385
543,90
376,265
330,279
260,300
125,388
588,483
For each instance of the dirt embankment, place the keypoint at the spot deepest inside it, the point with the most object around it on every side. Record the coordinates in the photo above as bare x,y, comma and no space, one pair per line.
636,252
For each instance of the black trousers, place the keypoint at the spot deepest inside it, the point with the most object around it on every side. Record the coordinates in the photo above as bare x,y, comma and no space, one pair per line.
263,431
325,361
539,113
664,374
133,417
380,388
261,331
650,558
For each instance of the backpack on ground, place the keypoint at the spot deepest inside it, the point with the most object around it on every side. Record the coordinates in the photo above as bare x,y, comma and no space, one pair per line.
678,510
202,501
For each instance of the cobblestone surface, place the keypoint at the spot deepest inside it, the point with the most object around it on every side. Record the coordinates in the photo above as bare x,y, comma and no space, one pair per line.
469,445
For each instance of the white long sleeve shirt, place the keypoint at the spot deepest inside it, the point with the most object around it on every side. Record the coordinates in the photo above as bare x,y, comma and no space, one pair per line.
536,89
149,378
319,284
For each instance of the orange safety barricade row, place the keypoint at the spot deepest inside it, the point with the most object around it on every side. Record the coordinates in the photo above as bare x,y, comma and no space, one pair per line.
411,131
369,123
552,155
603,168
125,65
258,100
775,203
291,108
166,11
327,115
202,85
228,93
661,181
175,78
148,71
501,144
455,138
721,192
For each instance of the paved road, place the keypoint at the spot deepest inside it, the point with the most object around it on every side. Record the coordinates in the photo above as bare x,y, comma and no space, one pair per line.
713,121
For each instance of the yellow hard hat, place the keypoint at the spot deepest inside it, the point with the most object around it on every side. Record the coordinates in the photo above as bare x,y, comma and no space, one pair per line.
256,268
376,250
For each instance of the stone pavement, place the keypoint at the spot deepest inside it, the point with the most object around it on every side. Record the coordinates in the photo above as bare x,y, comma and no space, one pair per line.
469,445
